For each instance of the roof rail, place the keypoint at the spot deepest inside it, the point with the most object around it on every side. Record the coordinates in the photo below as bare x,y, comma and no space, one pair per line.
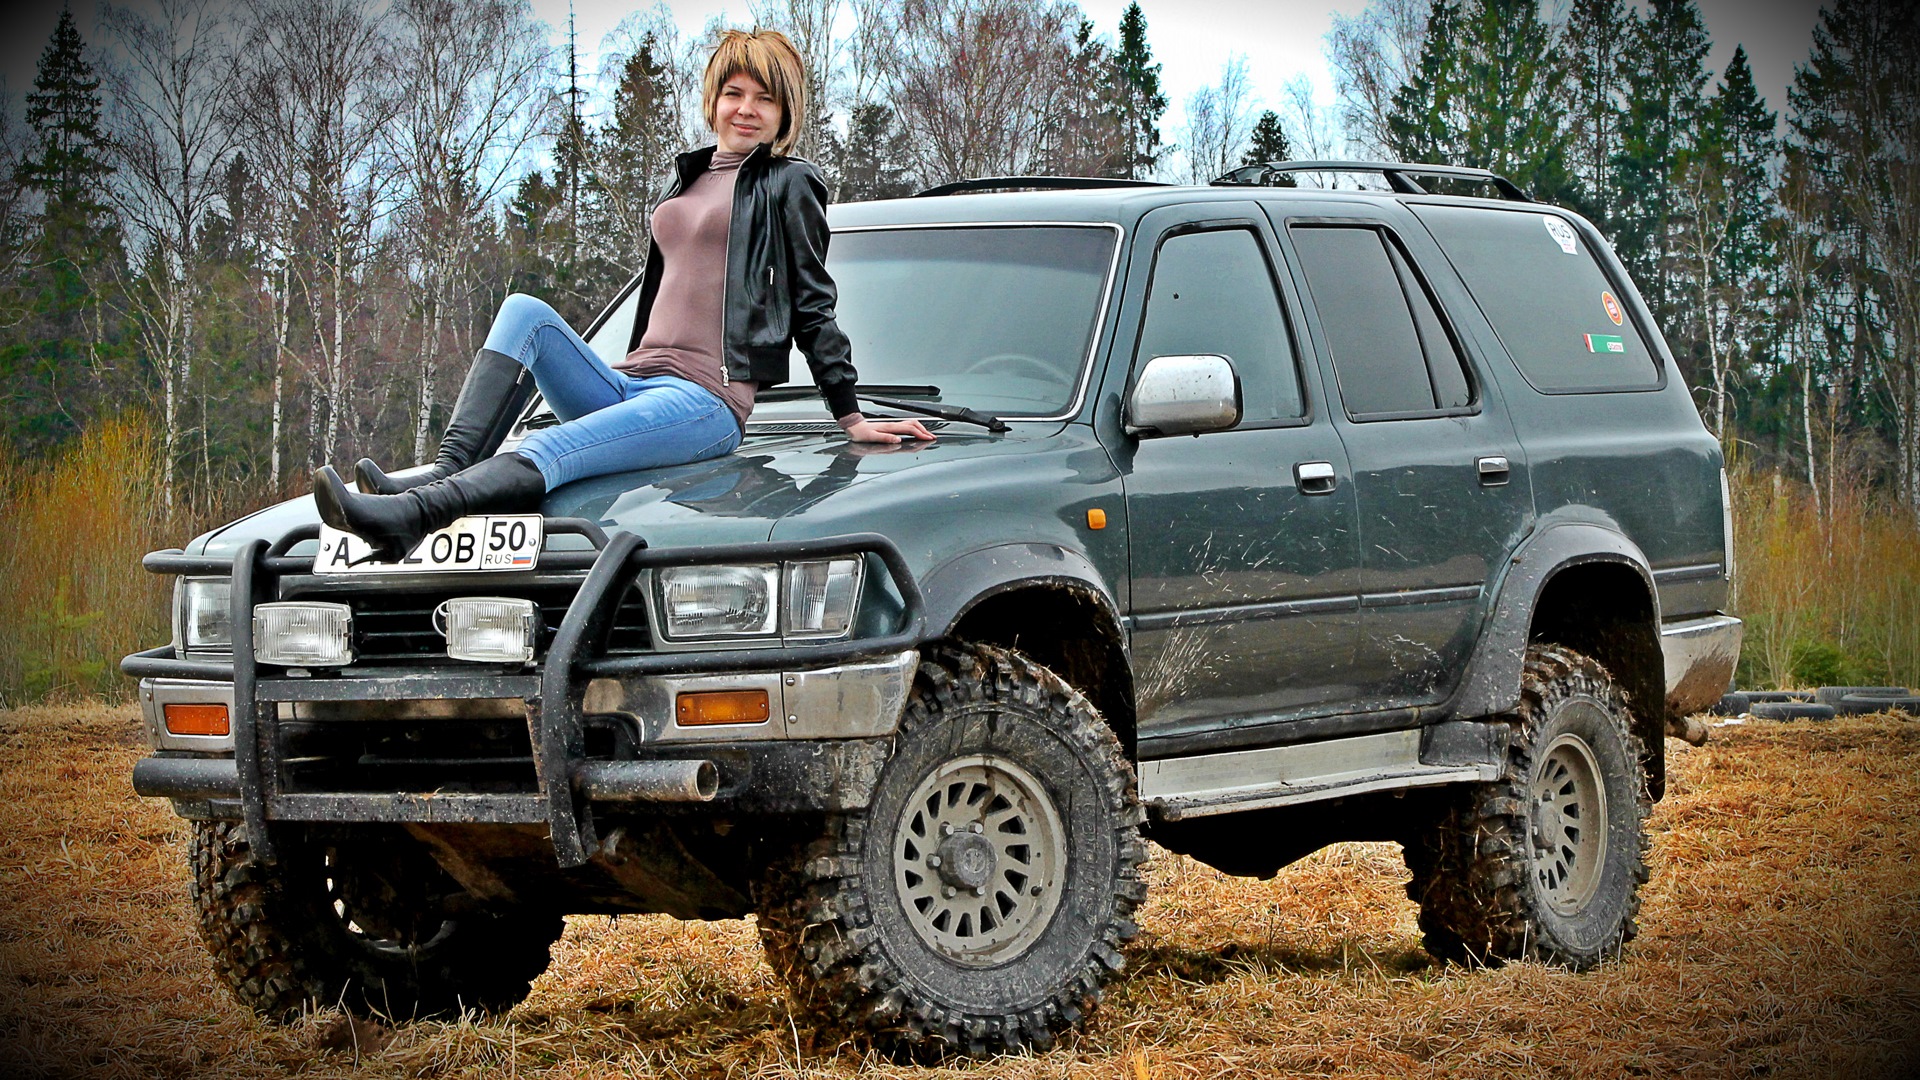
1398,175
1032,183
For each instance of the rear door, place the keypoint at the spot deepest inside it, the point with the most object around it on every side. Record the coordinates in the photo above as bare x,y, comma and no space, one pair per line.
1243,553
1440,477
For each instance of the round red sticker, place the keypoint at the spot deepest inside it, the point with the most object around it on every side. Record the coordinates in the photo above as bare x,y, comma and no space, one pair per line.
1613,308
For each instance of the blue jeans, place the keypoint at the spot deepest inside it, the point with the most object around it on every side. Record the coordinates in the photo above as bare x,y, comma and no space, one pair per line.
612,422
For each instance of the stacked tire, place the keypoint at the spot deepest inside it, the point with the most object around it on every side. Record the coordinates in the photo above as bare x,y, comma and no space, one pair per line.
1865,700
1822,704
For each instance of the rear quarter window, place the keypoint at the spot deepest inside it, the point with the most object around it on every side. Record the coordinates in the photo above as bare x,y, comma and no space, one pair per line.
1555,310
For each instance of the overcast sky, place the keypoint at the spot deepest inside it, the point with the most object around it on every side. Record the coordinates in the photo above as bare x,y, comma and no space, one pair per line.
1192,38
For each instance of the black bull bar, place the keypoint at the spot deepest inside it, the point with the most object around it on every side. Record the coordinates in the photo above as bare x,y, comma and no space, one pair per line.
553,693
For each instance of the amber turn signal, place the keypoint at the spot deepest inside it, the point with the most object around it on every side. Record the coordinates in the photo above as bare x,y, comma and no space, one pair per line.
196,719
721,707
1096,518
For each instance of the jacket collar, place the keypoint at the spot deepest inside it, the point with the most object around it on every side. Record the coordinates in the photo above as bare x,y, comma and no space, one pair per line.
694,162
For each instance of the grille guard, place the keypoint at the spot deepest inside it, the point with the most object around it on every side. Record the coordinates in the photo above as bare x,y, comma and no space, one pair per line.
553,694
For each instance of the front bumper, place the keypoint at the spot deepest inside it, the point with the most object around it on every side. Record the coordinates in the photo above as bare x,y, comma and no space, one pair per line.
1700,656
839,700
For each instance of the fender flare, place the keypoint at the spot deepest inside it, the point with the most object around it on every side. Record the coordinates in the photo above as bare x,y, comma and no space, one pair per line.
1492,680
959,585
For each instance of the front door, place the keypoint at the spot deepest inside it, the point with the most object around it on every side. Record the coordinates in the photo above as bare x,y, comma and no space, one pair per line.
1243,551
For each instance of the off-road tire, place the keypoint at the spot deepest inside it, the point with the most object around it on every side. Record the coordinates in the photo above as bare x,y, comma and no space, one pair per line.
283,942
845,921
1486,893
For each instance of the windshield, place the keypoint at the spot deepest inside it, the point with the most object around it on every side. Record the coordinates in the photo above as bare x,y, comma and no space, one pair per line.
999,319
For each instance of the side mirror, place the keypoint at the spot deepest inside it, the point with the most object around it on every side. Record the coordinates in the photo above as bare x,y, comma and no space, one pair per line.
1184,395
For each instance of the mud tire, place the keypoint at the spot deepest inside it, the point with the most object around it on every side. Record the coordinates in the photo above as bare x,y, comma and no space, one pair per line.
281,941
837,919
1486,894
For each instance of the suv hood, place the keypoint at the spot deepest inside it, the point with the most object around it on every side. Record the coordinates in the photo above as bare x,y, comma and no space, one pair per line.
735,498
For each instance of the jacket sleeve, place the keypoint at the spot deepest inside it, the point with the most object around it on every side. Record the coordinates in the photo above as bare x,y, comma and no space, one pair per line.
829,354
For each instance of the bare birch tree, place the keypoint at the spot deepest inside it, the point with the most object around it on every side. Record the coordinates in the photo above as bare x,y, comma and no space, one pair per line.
1219,120
172,80
973,82
809,25
1857,115
1373,54
478,75
319,89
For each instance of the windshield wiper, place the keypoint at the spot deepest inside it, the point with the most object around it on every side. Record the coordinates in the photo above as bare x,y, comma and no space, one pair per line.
795,393
944,412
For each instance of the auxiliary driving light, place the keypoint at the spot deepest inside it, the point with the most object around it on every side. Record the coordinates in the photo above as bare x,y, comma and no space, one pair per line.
303,634
489,629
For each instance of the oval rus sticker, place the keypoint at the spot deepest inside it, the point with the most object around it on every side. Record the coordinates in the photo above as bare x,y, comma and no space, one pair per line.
1613,309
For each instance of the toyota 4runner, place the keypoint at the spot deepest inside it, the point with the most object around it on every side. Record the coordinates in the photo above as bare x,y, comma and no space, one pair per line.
1260,518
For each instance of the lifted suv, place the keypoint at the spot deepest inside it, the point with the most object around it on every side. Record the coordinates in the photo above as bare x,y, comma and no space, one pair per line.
1260,519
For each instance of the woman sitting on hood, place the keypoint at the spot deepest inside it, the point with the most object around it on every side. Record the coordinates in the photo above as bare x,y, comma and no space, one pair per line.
735,277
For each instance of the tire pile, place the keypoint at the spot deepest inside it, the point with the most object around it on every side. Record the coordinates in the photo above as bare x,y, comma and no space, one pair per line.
1822,704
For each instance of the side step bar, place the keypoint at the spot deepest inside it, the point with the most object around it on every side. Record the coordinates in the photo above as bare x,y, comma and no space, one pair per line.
1206,784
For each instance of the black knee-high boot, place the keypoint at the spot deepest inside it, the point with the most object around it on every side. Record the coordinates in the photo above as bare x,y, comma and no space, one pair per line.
394,524
497,388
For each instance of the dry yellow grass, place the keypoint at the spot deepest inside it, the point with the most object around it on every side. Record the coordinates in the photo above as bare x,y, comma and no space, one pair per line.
1780,937
1830,592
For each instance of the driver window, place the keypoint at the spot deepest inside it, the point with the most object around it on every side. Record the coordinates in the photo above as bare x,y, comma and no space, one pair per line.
1212,292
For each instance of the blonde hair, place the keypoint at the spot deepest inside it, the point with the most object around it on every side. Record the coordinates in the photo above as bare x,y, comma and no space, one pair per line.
774,63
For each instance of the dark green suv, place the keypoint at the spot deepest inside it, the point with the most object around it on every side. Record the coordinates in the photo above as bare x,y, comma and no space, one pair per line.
1260,518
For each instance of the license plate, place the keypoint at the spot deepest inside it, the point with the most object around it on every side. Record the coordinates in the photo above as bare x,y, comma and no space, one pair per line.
487,542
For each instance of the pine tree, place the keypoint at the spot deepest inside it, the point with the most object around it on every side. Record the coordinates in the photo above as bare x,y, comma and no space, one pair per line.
1595,55
1742,129
1269,142
1142,101
628,159
1665,108
74,244
870,167
1087,130
1486,95
1422,123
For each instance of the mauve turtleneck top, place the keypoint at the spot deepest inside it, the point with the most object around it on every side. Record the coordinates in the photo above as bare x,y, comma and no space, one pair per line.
688,320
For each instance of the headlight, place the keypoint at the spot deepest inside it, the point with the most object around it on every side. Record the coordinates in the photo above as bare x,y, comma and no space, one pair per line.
718,601
203,613
707,602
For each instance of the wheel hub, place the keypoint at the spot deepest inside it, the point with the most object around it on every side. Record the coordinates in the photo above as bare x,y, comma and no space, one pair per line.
1569,824
979,854
966,860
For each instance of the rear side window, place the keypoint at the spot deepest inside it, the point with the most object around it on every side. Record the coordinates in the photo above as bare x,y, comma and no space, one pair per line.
1556,312
1212,292
1391,348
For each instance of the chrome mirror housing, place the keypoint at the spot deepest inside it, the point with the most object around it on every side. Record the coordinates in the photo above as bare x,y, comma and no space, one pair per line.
1184,395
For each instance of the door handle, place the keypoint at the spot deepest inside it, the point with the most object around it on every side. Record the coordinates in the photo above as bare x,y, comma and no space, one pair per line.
1493,470
1314,477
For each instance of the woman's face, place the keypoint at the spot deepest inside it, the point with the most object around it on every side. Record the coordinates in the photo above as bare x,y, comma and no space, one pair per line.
745,114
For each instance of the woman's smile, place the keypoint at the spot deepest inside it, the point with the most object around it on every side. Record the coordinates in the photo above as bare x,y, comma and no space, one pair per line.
745,115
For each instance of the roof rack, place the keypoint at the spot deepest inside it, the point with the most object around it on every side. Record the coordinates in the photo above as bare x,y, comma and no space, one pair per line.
1032,183
1398,175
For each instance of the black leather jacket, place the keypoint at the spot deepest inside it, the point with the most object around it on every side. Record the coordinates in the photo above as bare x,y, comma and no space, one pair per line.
778,291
